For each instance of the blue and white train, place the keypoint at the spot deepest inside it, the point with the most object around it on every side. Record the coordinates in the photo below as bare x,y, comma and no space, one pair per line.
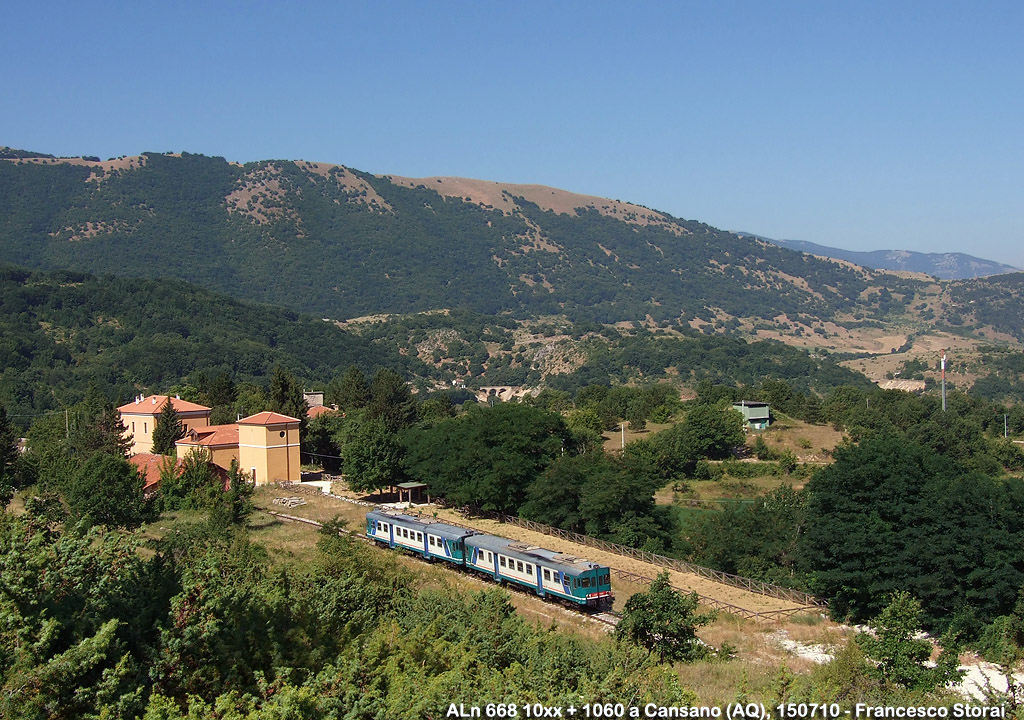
545,572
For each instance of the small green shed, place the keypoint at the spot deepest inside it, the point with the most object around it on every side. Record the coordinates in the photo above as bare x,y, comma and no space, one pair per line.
757,414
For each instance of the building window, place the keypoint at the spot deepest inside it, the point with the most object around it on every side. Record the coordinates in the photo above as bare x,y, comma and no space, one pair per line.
144,428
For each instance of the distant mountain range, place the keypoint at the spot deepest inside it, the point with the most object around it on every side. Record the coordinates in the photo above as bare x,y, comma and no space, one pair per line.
948,266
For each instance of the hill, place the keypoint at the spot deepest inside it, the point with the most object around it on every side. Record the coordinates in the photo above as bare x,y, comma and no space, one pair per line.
63,331
948,266
334,241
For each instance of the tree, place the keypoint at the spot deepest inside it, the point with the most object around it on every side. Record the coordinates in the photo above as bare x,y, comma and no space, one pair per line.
168,430
663,620
286,395
487,457
234,505
107,490
900,655
351,391
890,514
8,457
373,457
391,401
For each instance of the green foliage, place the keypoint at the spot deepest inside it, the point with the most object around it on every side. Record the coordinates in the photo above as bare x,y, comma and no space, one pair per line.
900,656
892,515
106,490
665,622
168,430
285,395
708,432
391,248
487,457
8,458
756,540
601,497
349,392
391,401
373,457
125,334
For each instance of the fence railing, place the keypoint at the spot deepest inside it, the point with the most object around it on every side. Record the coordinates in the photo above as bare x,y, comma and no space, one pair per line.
756,586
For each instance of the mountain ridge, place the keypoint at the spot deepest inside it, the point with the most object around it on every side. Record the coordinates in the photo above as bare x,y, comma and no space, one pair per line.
338,242
947,266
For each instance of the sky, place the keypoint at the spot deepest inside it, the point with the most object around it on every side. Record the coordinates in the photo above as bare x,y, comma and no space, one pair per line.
862,125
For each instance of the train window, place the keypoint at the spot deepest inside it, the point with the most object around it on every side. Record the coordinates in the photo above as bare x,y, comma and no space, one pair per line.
529,569
547,574
519,566
419,537
501,561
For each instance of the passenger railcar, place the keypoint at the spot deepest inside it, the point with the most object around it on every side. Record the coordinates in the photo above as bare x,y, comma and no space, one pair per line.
575,580
547,573
428,538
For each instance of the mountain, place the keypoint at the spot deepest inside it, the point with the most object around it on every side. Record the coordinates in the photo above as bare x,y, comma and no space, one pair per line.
341,243
948,266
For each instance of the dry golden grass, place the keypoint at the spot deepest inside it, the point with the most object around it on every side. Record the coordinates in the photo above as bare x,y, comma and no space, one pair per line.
613,438
810,443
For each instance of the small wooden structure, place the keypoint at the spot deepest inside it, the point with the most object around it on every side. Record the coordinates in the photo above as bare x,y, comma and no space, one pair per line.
415,490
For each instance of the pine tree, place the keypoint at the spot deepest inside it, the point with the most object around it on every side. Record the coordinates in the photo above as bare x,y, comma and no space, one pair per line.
168,429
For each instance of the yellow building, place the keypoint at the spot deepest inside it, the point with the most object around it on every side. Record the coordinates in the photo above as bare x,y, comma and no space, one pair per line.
139,418
220,441
268,447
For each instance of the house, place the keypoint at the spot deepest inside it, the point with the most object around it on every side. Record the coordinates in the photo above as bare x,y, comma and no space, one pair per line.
317,410
139,418
265,445
757,415
268,447
220,441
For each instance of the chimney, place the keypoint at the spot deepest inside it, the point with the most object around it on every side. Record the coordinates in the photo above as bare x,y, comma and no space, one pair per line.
177,397
154,400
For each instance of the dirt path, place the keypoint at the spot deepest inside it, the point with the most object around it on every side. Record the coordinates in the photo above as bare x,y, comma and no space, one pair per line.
745,599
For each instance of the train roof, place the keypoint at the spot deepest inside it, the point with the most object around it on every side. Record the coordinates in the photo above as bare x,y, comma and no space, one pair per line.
531,553
426,525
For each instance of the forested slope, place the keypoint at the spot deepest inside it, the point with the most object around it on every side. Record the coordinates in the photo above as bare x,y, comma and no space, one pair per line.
61,331
335,241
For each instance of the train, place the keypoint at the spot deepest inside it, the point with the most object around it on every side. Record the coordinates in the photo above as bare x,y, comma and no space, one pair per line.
549,574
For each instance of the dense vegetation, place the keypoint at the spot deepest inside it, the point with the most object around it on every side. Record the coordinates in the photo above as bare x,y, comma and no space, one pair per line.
918,501
309,240
61,332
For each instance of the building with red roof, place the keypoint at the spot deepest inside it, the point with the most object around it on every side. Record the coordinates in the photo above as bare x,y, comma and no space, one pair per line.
139,418
265,445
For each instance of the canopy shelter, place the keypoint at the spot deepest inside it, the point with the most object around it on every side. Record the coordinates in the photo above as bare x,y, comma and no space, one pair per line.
415,490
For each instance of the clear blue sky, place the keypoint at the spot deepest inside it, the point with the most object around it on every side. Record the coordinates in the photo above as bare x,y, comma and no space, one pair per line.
864,125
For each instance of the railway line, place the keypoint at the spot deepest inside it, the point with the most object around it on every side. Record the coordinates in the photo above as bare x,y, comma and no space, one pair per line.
726,597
